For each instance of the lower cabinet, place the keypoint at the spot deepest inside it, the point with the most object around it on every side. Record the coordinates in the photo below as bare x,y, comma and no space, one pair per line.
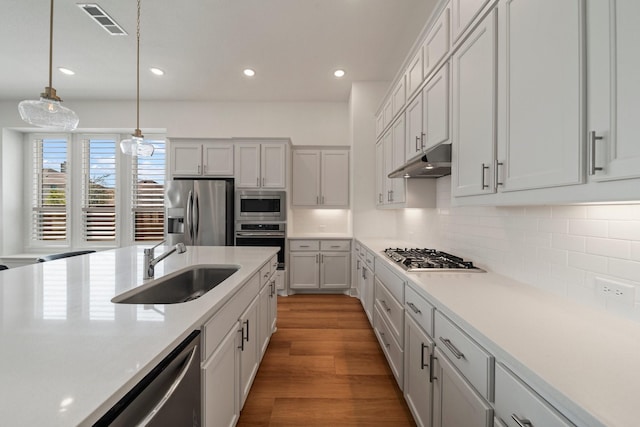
365,286
320,264
418,386
455,401
268,306
248,349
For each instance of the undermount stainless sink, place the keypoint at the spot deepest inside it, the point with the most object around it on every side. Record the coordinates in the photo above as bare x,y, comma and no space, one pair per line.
181,286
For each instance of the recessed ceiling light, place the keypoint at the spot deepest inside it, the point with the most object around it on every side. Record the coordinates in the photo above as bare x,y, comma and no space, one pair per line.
66,71
339,73
249,72
157,71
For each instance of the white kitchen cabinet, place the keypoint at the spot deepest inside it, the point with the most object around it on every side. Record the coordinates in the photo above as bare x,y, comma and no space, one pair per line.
463,13
438,41
393,351
398,96
540,141
220,373
455,402
414,74
260,165
379,123
389,156
435,109
267,305
418,387
474,110
320,178
388,111
613,89
201,158
249,348
516,403
413,126
320,264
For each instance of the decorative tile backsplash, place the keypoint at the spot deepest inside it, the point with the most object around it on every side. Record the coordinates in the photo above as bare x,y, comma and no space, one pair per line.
563,249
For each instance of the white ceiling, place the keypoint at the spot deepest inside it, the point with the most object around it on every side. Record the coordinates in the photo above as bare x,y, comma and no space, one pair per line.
203,46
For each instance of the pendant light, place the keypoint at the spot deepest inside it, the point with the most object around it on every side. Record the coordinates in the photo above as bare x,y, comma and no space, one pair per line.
136,146
48,112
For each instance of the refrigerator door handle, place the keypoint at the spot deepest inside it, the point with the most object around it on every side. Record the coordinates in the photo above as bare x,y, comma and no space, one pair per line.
189,216
196,220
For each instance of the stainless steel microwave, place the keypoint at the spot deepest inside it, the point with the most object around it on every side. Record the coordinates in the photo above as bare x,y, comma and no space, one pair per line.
261,205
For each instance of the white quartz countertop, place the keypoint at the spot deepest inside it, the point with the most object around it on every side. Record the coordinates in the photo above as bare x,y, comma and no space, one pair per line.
68,353
319,235
586,362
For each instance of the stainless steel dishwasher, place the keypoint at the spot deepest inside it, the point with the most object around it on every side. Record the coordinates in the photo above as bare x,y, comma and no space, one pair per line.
168,396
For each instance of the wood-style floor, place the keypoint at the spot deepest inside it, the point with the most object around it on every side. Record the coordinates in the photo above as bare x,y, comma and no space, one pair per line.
324,367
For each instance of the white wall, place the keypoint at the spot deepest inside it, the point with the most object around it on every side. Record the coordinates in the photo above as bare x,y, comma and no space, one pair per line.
11,192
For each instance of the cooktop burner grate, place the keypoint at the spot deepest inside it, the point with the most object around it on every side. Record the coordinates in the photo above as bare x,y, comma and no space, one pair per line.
418,259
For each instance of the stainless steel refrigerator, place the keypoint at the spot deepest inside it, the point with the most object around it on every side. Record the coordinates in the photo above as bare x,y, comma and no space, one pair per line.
199,212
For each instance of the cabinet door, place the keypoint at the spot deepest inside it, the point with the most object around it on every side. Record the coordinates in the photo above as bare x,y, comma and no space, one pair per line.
220,375
387,164
455,402
379,123
436,46
249,349
335,270
304,270
388,112
614,88
186,159
218,159
369,295
413,116
435,109
463,12
247,166
273,301
334,178
264,319
418,388
381,178
541,135
273,165
397,185
414,73
399,96
305,179
474,110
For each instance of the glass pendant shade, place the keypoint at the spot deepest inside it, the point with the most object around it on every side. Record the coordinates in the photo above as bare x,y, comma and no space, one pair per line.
48,113
135,146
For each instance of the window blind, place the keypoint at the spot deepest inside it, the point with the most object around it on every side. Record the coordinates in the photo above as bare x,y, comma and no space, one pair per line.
50,190
99,189
148,194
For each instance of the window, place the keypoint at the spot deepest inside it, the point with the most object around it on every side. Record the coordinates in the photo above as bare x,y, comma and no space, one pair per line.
50,190
99,189
147,204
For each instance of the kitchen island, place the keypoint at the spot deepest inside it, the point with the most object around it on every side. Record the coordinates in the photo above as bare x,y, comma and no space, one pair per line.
68,353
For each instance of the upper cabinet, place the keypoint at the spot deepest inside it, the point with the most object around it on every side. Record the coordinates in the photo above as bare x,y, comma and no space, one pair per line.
260,165
463,12
414,74
201,158
436,45
613,90
320,178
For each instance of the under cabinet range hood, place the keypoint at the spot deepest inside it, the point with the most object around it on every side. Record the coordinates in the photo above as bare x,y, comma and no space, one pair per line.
433,163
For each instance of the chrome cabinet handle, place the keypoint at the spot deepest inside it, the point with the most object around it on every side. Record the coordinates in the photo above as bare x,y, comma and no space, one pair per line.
391,192
263,181
241,346
413,307
457,353
357,264
417,141
386,344
422,136
431,368
384,305
592,142
198,169
257,181
304,246
247,322
497,169
204,169
484,167
521,422
422,364
364,273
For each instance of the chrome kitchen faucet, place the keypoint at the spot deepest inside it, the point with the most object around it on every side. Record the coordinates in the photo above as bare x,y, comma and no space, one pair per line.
150,262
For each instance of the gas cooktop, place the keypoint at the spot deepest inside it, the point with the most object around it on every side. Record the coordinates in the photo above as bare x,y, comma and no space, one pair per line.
415,259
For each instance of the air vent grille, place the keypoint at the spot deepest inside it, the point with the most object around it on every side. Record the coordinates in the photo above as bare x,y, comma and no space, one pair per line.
102,18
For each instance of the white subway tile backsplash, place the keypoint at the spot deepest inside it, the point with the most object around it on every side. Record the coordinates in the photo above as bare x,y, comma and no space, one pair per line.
538,239
553,225
595,263
629,230
608,247
538,211
568,242
614,212
553,256
635,251
569,212
629,270
587,227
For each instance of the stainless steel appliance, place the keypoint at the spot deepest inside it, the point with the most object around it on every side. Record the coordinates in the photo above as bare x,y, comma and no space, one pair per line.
250,233
199,212
168,396
416,259
261,205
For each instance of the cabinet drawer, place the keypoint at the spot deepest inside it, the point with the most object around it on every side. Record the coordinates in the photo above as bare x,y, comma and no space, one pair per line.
391,309
368,257
215,329
265,274
475,363
274,264
304,245
393,283
419,309
516,400
335,245
392,351
357,248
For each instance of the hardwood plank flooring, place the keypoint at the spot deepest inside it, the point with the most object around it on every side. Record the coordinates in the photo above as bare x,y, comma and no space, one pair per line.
324,367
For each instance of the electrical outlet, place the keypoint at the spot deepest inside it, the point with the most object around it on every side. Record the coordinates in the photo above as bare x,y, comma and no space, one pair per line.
615,294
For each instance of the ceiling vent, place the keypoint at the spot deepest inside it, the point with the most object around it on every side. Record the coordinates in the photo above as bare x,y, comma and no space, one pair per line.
100,16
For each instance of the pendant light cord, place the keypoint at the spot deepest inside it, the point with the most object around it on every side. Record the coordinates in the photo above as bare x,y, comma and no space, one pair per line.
138,131
51,46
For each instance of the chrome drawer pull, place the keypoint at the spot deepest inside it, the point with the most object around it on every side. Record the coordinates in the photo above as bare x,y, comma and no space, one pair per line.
431,376
384,305
457,353
422,364
386,344
521,422
414,308
592,141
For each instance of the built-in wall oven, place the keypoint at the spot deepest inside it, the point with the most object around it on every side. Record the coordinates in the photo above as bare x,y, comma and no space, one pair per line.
255,233
261,205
